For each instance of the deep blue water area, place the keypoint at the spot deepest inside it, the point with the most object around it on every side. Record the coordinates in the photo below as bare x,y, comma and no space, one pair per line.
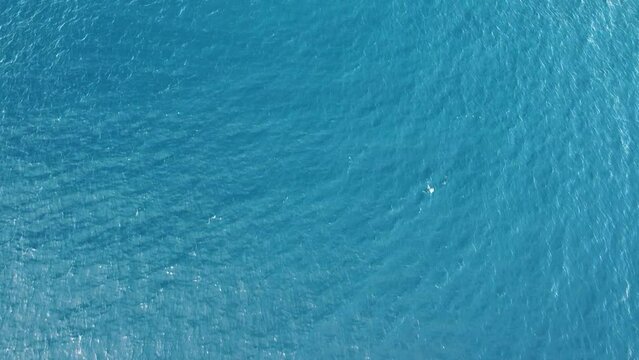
356,179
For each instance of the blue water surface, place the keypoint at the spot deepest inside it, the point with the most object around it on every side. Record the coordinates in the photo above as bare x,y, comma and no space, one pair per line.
356,179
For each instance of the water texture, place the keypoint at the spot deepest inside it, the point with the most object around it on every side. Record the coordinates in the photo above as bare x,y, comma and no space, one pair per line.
356,179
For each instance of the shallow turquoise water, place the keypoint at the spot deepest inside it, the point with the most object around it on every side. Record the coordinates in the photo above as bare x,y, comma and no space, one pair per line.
319,180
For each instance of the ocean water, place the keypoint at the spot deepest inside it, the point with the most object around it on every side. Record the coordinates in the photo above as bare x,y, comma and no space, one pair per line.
357,179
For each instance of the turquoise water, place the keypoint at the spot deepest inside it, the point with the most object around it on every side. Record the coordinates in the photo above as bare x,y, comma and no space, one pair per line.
319,180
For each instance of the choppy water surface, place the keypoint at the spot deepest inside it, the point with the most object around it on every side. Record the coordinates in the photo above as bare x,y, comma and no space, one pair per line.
311,179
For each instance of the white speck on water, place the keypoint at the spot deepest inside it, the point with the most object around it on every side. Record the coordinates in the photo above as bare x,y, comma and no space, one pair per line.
429,189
